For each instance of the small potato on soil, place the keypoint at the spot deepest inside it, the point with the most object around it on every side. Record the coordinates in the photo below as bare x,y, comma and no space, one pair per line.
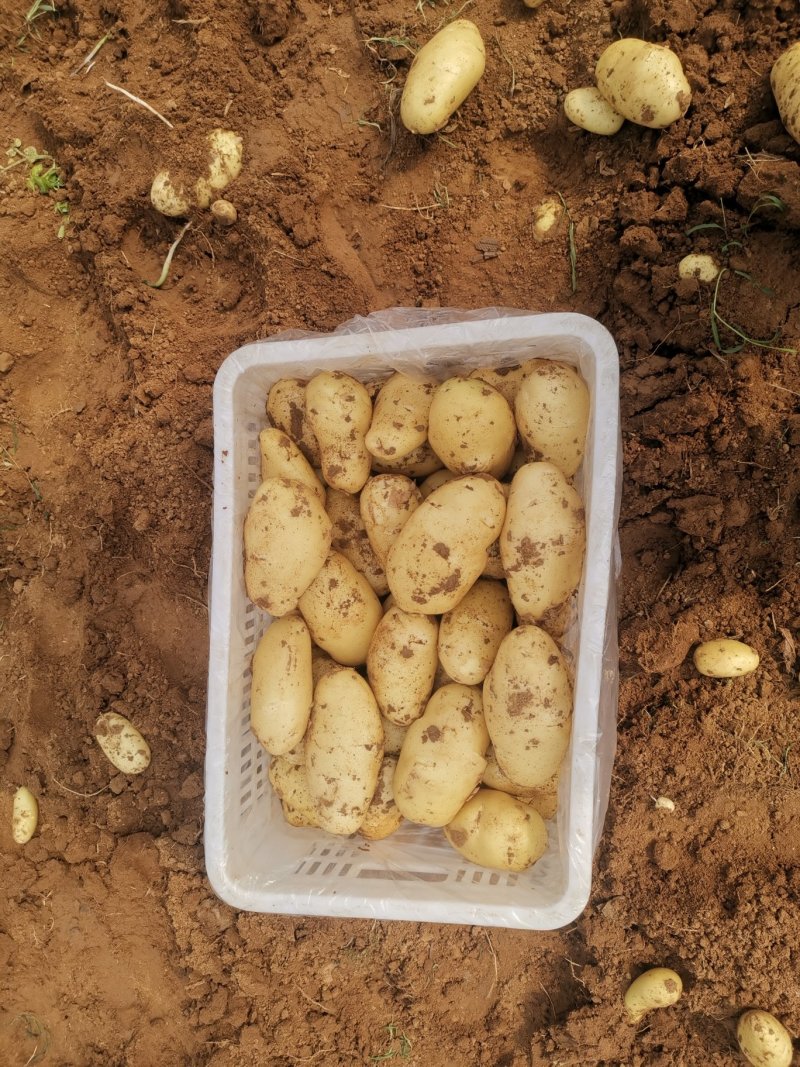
764,1041
443,74
659,987
122,743
24,815
588,108
725,658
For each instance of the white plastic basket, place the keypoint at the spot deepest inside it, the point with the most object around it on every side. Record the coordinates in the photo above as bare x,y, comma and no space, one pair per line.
255,861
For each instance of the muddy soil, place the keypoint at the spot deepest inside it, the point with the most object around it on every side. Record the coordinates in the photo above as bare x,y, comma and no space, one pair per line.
113,948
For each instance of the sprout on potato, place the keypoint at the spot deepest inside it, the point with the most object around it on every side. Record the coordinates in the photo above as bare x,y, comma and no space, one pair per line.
659,987
644,82
763,1040
443,74
785,81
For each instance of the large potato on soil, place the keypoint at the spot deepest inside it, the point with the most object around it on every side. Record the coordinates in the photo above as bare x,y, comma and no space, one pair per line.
442,759
543,540
401,664
496,830
287,536
644,82
527,700
443,74
341,610
471,427
441,550
344,751
339,412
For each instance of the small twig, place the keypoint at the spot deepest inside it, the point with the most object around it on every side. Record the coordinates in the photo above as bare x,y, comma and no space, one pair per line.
192,22
316,1003
494,960
511,64
75,793
142,103
194,600
194,474
168,261
571,250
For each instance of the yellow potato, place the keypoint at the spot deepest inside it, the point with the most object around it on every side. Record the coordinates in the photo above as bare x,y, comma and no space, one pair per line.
552,409
785,81
764,1041
543,540
471,632
527,700
168,195
321,664
386,501
341,610
282,687
400,417
725,658
644,82
471,427
339,412
433,481
224,148
281,458
417,464
24,815
349,537
286,408
441,550
588,108
287,536
496,830
401,664
122,743
443,74
442,758
393,736
659,987
383,816
297,755
543,800
494,564
344,751
506,380
290,782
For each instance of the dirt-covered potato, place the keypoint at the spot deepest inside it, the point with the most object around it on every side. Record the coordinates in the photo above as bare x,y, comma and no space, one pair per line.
290,782
174,195
383,816
644,82
401,664
785,81
287,537
417,464
341,610
471,427
122,743
24,815
400,417
339,412
385,502
527,699
281,458
660,987
552,410
443,74
496,830
588,108
442,759
543,540
441,550
344,751
349,536
471,632
286,409
282,687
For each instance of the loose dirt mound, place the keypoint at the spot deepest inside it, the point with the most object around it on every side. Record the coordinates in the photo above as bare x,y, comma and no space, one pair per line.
111,939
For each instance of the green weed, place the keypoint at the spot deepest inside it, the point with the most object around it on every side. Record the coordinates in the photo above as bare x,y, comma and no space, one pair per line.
399,1045
37,10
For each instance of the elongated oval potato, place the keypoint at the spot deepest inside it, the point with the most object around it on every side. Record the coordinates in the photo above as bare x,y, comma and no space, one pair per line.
339,411
644,82
785,81
660,987
552,409
24,815
401,664
290,782
282,688
725,658
286,409
433,481
350,538
764,1041
417,464
543,799
441,550
393,736
443,74
281,458
442,759
543,540
341,610
383,816
506,380
287,537
588,108
122,743
400,417
344,751
471,632
471,427
496,830
224,148
385,502
527,699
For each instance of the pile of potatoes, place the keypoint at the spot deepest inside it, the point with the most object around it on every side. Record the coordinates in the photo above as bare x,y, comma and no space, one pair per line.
419,544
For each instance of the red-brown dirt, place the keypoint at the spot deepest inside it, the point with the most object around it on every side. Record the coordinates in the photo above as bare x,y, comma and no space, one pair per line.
112,944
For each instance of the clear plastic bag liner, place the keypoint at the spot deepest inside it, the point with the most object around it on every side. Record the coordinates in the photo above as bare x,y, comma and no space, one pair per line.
254,859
